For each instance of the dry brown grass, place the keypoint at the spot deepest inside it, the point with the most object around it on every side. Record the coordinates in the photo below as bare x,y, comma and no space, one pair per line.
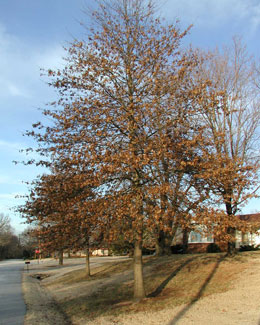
169,281
100,272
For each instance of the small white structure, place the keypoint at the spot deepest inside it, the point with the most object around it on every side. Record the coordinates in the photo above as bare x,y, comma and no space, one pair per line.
252,239
100,252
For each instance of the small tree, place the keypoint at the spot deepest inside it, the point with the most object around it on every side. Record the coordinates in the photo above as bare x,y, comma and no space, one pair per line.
5,226
9,243
232,118
58,204
28,242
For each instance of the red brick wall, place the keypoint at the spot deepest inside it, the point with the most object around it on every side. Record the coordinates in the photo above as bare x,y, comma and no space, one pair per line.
197,247
202,247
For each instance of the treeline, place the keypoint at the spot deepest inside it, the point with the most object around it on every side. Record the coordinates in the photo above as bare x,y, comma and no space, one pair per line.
12,245
147,137
9,242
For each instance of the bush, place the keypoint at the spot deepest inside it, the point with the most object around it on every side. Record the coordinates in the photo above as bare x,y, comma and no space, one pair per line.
213,248
147,251
121,247
177,249
247,248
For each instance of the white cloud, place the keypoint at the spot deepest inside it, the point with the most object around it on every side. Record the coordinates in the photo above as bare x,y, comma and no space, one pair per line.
4,179
9,196
11,146
50,58
15,91
20,64
10,89
11,58
212,14
8,202
255,20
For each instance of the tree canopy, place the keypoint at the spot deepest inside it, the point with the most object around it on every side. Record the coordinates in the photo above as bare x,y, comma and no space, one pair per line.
146,136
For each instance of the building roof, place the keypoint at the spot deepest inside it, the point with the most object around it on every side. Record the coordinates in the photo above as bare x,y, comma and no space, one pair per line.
251,217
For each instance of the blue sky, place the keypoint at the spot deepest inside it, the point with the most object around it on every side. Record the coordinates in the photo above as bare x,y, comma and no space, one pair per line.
32,36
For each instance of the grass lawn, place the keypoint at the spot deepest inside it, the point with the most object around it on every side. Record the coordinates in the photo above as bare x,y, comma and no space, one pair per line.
169,281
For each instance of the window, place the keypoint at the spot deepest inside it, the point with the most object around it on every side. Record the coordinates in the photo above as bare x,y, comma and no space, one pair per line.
197,237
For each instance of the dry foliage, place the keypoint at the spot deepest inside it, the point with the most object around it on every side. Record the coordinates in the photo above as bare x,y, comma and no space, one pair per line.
145,137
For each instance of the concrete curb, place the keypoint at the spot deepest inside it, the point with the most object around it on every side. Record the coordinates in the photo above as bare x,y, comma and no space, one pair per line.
41,306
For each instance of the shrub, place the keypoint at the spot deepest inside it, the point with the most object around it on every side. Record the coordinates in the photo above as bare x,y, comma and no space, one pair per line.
177,249
213,248
121,247
247,248
148,251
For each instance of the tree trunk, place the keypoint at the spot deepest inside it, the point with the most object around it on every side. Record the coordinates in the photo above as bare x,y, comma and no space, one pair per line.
163,244
231,247
139,293
185,237
61,257
87,261
160,244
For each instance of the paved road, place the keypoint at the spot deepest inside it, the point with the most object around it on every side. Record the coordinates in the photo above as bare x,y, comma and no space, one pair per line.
12,306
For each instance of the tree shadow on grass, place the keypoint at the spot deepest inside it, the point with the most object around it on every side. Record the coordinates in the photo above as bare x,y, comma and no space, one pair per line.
108,268
158,290
199,294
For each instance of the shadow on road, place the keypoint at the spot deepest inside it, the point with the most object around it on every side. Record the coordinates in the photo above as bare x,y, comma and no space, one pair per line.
199,294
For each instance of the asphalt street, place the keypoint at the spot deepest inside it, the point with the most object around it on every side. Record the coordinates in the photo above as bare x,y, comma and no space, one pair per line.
12,306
